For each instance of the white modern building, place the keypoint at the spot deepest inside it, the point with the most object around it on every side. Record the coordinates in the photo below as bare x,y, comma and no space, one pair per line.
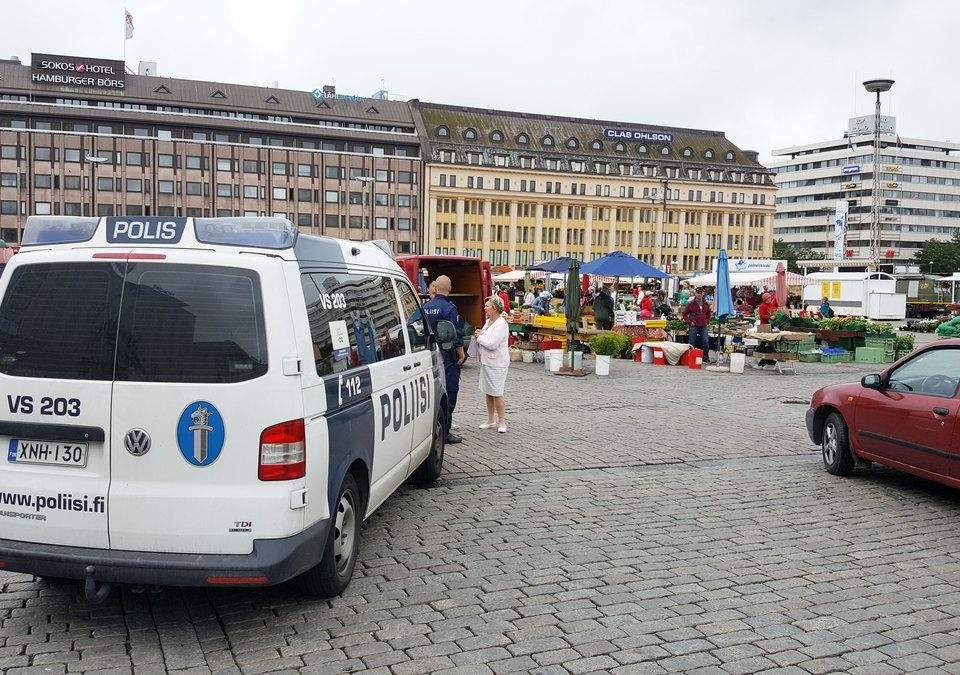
919,193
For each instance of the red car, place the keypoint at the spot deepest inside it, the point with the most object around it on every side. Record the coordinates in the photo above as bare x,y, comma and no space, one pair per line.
905,417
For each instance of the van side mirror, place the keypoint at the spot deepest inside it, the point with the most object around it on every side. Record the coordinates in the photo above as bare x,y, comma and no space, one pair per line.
871,382
446,333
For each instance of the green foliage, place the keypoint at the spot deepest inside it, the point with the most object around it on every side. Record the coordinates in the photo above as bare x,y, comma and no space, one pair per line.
779,319
879,328
903,343
939,257
677,325
792,253
609,343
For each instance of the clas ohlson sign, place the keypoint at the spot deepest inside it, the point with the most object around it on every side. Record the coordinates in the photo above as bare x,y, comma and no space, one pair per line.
76,71
638,135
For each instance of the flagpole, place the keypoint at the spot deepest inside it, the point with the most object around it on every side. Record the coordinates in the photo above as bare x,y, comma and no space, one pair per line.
123,52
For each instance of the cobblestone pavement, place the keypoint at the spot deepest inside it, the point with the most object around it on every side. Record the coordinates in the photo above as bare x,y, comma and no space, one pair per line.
659,520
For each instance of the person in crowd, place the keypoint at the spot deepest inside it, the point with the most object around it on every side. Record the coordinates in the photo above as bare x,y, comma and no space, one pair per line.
683,297
505,297
646,305
603,309
541,304
768,307
432,290
440,308
529,298
825,309
557,290
494,357
696,314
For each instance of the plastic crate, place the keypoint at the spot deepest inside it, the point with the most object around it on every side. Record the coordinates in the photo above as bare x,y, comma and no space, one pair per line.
846,357
884,343
810,357
870,355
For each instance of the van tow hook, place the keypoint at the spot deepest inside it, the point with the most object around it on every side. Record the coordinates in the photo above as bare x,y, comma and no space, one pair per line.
95,591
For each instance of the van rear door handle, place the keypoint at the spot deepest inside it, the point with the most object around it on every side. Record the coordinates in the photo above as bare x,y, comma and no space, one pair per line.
408,367
417,364
941,411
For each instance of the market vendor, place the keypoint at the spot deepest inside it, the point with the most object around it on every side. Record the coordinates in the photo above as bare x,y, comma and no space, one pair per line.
646,305
768,307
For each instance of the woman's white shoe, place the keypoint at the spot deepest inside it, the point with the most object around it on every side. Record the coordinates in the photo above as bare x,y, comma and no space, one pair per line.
502,428
488,425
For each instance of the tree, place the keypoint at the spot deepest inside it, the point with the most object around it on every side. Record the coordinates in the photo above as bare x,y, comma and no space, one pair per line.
939,257
792,253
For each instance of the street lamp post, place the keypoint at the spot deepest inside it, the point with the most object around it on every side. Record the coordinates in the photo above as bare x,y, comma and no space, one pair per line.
876,86
370,179
93,160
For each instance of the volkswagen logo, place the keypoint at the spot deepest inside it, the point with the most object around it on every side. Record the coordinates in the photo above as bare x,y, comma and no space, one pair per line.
137,442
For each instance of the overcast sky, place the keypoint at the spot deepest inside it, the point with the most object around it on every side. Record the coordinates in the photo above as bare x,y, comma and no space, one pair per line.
768,73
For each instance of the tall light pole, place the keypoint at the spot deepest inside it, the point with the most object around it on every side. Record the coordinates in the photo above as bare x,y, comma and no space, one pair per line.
876,86
370,180
93,160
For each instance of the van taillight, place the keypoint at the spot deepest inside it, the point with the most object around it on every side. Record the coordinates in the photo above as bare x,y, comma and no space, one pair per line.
283,451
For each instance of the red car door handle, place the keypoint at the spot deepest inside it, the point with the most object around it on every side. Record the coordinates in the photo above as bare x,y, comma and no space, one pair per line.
941,411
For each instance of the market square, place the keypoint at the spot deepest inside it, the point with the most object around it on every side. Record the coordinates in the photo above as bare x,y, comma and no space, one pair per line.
659,520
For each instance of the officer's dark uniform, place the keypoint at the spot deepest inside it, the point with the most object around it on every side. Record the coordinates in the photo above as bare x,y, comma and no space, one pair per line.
437,309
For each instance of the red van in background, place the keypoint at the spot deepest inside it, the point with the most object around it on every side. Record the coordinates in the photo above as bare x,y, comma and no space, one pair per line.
470,277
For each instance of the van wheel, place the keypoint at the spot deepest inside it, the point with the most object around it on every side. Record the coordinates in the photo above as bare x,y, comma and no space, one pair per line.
332,575
837,456
432,466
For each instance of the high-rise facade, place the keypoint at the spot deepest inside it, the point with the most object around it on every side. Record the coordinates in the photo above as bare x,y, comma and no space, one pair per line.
919,195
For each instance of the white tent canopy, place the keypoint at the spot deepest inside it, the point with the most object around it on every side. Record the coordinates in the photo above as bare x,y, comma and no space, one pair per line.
750,279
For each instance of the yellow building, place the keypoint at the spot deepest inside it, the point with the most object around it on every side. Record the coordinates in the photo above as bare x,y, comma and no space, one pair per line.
517,188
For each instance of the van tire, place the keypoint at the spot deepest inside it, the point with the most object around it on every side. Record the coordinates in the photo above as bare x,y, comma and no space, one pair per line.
431,468
332,575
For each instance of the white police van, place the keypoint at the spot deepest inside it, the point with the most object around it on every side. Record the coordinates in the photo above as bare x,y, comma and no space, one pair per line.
206,401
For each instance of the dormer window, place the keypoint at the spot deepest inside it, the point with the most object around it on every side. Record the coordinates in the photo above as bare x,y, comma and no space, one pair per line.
547,141
620,147
572,143
470,134
443,132
688,152
708,154
496,137
522,139
729,156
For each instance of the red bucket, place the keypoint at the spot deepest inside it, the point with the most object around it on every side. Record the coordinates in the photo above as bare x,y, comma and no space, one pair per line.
696,358
658,358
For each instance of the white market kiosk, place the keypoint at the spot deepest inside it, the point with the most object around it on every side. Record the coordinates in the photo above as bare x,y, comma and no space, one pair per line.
869,294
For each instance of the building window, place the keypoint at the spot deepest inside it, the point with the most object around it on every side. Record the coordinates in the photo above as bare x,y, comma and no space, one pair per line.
596,145
224,164
500,160
665,150
331,220
251,191
224,190
71,155
42,154
43,180
73,209
383,176
134,185
442,132
332,172
134,159
279,169
729,156
165,187
194,161
355,197
547,141
251,166
8,208
403,200
572,143
356,221
522,139
620,147
406,177
708,154
443,180
42,208
688,152
380,223
470,135
496,136
10,179
331,197
641,149
165,161
105,184
280,194
104,210
193,188
403,223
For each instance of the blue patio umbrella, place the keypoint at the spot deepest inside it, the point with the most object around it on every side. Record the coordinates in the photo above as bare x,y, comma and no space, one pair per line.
561,264
619,264
723,300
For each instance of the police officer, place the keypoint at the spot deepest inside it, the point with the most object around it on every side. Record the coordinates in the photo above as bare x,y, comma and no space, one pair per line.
439,308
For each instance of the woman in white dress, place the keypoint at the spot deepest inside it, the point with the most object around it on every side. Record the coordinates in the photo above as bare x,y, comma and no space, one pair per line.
494,356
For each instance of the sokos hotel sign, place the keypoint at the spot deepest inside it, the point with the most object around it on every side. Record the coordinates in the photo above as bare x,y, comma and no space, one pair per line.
76,71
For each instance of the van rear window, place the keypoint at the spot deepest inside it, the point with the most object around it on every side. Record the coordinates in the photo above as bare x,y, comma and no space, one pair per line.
191,323
177,323
60,321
